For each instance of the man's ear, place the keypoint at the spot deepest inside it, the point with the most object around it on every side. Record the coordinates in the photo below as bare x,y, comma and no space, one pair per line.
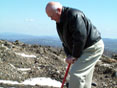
58,11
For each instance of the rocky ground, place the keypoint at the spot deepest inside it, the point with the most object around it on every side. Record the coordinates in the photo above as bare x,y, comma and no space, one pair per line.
46,61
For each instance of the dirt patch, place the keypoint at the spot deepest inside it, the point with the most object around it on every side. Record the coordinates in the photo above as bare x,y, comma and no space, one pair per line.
46,61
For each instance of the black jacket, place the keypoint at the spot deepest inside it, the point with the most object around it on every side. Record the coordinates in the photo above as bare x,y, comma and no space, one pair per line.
76,31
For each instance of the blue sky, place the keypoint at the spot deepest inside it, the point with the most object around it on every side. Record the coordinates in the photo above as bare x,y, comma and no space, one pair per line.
29,17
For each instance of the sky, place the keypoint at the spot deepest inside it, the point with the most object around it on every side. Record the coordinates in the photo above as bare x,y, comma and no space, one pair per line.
29,17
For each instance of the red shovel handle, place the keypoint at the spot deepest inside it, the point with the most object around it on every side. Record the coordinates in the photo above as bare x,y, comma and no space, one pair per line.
65,75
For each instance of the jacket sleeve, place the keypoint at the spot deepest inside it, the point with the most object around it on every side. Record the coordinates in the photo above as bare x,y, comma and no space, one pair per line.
79,35
66,50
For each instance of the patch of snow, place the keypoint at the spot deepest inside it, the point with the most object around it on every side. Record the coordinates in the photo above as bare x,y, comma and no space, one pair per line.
12,66
9,82
39,68
42,81
20,69
35,81
58,71
25,55
106,65
23,69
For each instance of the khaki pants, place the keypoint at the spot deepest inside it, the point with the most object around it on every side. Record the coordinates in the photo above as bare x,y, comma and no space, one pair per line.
81,71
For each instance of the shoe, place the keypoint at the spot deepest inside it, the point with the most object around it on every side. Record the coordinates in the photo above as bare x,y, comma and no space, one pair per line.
67,85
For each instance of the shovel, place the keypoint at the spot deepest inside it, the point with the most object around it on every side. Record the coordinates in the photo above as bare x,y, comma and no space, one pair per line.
66,73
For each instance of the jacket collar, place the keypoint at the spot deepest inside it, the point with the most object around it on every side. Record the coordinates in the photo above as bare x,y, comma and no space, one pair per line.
62,17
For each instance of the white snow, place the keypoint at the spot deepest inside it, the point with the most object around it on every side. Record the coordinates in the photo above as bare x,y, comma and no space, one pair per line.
12,66
25,55
20,69
23,69
42,81
8,82
106,65
35,81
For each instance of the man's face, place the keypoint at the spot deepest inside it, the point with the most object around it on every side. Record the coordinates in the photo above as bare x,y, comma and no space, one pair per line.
53,15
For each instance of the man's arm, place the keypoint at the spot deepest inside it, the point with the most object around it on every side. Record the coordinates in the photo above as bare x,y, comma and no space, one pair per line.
66,50
79,35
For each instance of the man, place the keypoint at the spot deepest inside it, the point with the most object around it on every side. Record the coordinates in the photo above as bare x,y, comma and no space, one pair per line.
81,41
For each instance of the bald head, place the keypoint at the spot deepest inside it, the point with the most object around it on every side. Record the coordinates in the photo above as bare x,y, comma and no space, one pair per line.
54,10
53,6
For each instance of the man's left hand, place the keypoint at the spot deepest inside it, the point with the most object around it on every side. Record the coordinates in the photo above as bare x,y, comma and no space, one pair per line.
70,60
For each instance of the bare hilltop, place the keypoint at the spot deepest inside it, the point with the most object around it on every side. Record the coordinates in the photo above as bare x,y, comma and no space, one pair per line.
20,61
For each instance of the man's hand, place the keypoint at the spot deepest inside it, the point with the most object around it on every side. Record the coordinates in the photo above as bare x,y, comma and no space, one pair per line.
70,60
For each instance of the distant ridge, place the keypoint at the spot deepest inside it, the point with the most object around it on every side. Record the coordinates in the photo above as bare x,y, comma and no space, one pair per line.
29,39
110,44
15,36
